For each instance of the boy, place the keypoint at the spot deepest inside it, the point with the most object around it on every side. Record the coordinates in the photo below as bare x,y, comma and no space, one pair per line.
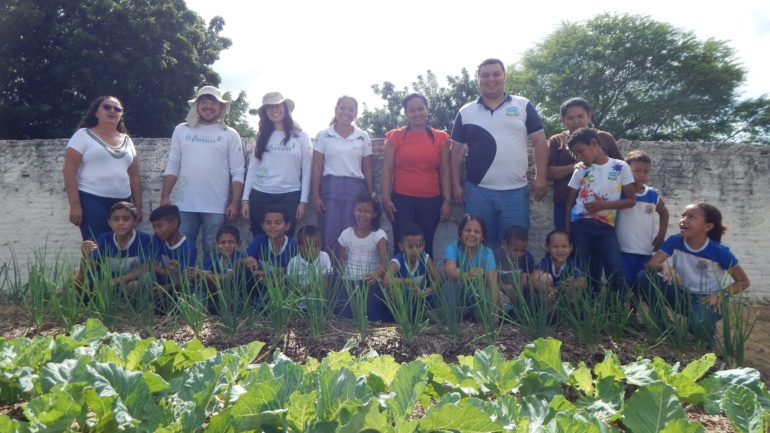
311,265
123,253
173,251
592,204
227,257
514,262
636,225
271,251
412,266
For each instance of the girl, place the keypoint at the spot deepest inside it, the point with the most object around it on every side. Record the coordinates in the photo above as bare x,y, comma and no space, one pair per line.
342,170
101,168
416,166
697,273
575,113
557,270
362,254
279,169
467,260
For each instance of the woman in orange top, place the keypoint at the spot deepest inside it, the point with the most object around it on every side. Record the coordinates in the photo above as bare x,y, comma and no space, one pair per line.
416,166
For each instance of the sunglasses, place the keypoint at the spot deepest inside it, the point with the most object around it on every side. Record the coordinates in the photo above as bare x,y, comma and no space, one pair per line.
108,107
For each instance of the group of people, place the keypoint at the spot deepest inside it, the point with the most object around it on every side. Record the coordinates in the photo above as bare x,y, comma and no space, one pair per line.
604,213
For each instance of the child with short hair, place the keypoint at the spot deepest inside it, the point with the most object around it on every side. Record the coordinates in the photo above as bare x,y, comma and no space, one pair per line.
592,204
636,225
412,266
363,258
310,265
270,252
514,261
467,260
174,253
697,275
122,254
226,259
557,269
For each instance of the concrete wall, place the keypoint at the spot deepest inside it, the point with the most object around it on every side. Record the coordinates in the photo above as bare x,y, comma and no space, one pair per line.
34,209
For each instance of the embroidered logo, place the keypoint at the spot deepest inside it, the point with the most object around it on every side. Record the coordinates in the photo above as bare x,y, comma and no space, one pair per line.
702,265
648,209
512,111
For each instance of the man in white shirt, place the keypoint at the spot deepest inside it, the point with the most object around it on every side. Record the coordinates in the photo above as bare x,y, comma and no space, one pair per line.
207,166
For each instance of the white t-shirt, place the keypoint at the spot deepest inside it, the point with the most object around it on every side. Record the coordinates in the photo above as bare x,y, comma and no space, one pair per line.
342,156
606,181
100,173
305,272
362,254
205,159
635,226
283,168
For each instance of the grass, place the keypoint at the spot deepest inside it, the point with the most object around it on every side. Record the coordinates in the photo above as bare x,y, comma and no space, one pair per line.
408,304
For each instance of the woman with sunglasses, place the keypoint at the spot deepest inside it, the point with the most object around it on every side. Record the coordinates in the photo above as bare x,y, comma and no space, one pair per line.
100,168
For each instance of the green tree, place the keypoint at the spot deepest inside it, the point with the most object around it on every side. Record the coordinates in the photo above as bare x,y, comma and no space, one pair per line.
239,110
57,56
444,102
751,121
646,79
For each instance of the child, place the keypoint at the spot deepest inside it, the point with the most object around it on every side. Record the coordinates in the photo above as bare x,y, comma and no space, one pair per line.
466,261
514,263
123,253
363,257
696,275
597,187
636,225
173,251
412,266
270,252
557,270
226,259
311,265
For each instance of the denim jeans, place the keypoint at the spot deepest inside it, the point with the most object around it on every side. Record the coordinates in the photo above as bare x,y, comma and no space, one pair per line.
559,216
596,248
191,224
701,318
500,209
96,212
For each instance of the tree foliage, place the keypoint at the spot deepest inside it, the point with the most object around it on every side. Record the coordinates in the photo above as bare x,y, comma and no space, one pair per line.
444,102
237,117
646,79
57,56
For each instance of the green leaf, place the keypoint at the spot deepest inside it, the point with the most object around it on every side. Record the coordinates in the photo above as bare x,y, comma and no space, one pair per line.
301,410
696,369
536,411
92,332
383,366
682,426
651,407
407,386
609,367
541,385
246,354
582,378
496,374
743,410
640,373
339,391
565,422
369,418
545,357
64,373
716,384
12,426
458,417
686,388
52,412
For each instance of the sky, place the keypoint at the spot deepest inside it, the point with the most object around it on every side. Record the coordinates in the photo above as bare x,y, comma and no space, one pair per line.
314,51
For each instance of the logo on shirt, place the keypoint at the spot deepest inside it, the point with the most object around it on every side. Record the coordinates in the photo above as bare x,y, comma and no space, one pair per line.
648,209
702,265
195,138
512,111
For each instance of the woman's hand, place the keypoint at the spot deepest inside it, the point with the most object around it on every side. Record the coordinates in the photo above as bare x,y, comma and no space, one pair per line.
76,215
389,208
318,206
301,211
446,210
245,210
371,278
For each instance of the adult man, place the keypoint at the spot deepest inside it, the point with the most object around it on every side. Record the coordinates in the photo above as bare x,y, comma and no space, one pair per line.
206,160
495,129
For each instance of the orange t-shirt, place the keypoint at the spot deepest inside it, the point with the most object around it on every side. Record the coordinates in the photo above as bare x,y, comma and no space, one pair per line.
417,161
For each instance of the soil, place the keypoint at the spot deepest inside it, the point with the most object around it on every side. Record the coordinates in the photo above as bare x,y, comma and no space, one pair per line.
385,340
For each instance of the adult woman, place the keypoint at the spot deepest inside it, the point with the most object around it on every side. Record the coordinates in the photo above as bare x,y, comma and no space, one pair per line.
279,169
417,167
342,170
100,168
576,113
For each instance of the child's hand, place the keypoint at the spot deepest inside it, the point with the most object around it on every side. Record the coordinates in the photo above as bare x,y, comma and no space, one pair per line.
173,265
597,205
658,241
193,272
713,301
669,275
86,247
250,263
371,278
475,273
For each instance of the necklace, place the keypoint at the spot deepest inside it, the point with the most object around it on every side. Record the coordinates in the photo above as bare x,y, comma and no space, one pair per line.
116,152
